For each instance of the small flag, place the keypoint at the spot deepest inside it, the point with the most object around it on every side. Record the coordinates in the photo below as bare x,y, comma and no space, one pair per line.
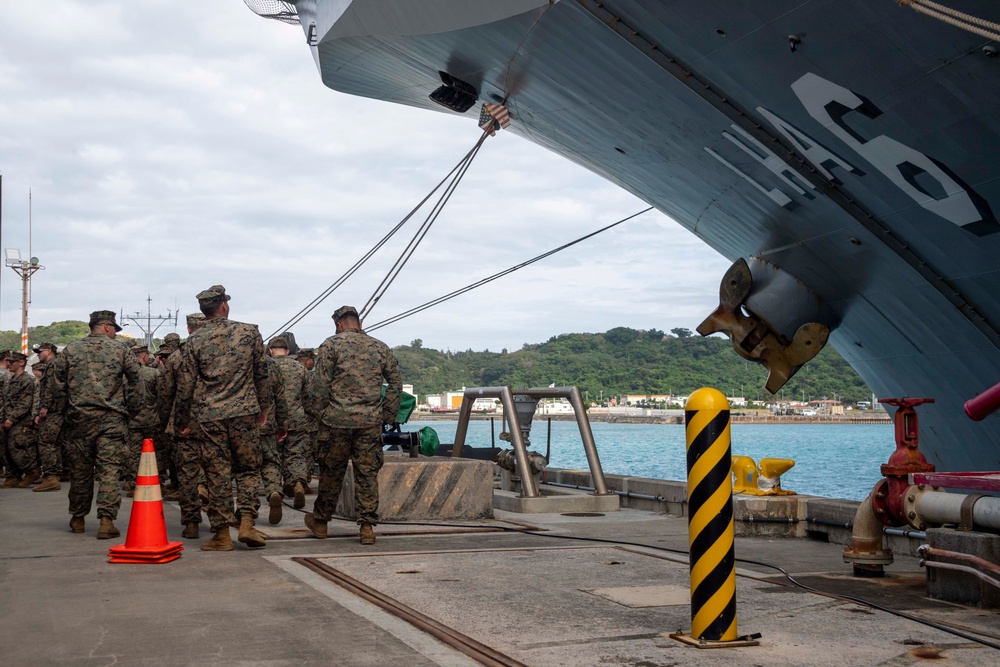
493,117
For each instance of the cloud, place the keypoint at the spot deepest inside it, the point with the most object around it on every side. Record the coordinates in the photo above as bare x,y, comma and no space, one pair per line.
172,146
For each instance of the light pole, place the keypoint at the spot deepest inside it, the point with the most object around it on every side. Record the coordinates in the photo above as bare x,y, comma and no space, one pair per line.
25,269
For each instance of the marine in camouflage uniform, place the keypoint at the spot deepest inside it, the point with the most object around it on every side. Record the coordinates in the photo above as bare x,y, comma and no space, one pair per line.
99,379
190,475
166,455
307,357
12,472
222,386
18,421
49,420
345,394
145,424
298,449
270,432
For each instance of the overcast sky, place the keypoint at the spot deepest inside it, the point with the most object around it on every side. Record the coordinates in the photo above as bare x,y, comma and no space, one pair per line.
170,146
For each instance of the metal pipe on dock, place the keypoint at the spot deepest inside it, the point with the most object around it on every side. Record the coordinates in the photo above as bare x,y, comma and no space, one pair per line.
931,552
937,507
933,564
529,488
623,494
983,405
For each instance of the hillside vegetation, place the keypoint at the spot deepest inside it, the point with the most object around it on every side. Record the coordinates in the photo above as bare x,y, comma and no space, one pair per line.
618,361
59,333
625,361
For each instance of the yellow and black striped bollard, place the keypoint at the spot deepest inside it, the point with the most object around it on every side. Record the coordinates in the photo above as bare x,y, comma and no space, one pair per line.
710,523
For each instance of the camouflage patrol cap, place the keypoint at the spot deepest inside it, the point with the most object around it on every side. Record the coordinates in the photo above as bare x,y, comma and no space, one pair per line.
278,342
172,339
195,320
306,352
99,316
47,346
344,311
17,356
4,355
140,348
213,294
39,366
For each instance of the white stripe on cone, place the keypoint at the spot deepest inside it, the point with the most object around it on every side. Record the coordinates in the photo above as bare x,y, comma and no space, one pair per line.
147,493
147,465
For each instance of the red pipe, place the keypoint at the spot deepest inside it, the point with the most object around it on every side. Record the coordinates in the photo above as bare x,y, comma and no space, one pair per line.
985,404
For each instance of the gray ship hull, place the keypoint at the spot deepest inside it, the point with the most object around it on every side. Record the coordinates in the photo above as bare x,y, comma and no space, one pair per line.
849,145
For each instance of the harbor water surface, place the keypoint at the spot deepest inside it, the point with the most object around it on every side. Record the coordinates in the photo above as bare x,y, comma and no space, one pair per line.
832,460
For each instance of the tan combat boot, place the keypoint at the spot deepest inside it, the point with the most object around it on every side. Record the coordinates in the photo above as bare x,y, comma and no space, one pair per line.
190,532
11,483
317,527
367,534
248,534
274,511
300,496
49,483
222,541
107,529
30,478
76,523
203,494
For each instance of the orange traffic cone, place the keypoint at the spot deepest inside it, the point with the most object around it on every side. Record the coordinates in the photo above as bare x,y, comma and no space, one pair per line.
146,541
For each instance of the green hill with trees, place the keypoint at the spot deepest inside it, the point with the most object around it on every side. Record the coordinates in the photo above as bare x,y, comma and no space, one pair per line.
625,361
59,333
602,365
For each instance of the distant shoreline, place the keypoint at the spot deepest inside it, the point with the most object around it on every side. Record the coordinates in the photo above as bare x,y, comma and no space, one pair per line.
736,418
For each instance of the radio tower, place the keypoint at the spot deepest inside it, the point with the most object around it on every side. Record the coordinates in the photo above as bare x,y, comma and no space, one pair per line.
150,319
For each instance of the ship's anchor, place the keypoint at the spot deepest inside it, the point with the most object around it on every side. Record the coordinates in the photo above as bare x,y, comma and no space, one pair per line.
755,340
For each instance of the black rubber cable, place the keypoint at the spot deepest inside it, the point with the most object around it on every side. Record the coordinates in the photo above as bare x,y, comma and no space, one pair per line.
790,578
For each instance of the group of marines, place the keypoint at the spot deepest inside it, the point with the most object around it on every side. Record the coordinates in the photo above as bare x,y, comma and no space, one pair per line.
221,409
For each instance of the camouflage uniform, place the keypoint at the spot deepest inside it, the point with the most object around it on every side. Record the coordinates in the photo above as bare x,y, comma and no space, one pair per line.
18,404
51,438
277,416
186,448
88,375
145,424
299,447
223,386
345,394
5,460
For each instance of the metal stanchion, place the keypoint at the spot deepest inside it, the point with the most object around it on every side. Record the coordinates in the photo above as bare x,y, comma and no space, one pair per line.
710,524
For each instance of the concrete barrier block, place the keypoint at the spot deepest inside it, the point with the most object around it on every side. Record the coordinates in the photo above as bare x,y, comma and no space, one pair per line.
427,488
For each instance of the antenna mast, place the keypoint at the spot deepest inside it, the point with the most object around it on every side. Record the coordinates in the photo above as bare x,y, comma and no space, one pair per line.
149,318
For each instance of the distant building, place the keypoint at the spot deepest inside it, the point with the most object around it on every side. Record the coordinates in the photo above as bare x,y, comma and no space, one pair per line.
554,406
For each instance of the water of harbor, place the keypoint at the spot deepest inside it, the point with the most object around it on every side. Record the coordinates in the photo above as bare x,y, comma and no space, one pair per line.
832,460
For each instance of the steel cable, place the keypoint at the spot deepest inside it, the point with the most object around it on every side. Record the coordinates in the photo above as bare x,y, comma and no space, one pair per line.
432,217
298,317
495,276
